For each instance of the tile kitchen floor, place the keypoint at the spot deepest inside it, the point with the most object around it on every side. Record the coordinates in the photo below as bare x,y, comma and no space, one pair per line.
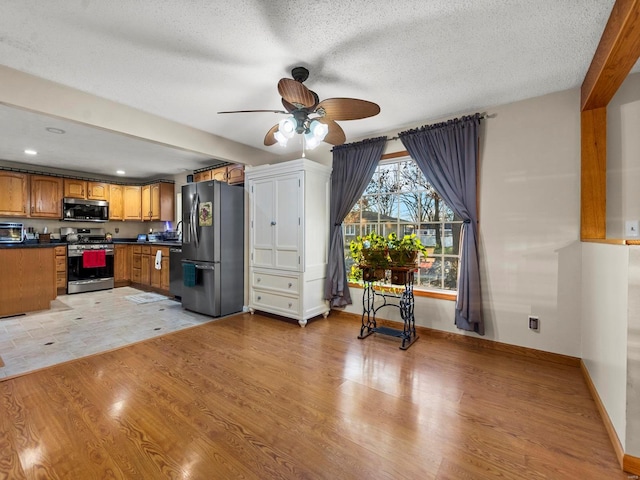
84,324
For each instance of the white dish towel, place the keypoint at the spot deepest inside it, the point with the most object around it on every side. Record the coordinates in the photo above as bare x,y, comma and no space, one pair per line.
159,260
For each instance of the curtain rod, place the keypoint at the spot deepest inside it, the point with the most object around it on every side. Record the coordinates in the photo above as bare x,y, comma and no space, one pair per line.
482,117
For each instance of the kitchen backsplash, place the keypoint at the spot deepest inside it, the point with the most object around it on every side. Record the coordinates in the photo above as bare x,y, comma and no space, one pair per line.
117,229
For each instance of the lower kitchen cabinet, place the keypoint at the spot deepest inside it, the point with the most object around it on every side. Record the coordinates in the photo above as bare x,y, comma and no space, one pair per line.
122,265
145,265
143,271
160,278
136,264
61,269
32,283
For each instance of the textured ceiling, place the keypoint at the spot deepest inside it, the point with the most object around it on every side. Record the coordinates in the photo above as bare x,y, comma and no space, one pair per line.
419,60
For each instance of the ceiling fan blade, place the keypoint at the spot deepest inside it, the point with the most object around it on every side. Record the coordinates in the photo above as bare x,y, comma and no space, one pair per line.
253,111
336,135
347,108
269,138
289,107
295,93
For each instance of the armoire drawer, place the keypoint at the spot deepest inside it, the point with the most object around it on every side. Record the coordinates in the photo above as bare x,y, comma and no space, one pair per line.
275,303
275,282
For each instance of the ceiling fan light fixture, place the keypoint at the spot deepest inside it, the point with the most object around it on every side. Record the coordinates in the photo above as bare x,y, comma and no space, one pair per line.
280,138
288,126
318,129
315,134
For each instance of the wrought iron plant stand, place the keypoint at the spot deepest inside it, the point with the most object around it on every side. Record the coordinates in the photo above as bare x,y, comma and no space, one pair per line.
403,300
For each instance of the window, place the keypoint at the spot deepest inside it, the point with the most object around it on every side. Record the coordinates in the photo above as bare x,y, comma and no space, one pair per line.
400,199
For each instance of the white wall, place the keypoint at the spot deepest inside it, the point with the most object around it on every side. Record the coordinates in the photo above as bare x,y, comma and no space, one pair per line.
604,326
632,446
623,157
529,226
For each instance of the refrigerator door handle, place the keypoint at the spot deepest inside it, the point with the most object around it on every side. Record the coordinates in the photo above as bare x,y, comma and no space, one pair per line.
205,267
194,214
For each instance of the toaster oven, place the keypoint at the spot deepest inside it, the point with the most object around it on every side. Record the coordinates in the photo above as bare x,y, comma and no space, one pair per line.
11,232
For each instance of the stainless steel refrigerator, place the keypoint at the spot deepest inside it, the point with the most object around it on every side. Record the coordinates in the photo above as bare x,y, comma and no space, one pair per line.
213,248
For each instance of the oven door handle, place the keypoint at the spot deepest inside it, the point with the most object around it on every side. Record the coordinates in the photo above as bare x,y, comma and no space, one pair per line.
109,253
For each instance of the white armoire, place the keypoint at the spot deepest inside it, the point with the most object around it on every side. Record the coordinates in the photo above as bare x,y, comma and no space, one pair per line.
288,238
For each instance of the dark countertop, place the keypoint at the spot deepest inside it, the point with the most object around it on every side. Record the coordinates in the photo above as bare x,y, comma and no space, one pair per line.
133,242
64,244
33,245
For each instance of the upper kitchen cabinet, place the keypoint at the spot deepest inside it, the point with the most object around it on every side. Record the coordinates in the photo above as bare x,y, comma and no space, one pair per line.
98,191
14,199
231,174
116,202
131,196
202,176
219,174
82,189
46,196
157,202
235,174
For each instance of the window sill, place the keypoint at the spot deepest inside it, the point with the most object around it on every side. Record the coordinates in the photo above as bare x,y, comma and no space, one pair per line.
421,293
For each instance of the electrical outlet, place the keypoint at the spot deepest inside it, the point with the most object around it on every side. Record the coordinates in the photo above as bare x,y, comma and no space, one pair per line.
534,323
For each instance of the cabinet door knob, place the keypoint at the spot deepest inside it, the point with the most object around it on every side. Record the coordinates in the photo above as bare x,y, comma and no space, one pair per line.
290,304
258,279
273,222
290,284
259,297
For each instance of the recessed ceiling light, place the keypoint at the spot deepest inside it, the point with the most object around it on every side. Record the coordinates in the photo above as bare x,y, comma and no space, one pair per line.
120,172
30,152
59,131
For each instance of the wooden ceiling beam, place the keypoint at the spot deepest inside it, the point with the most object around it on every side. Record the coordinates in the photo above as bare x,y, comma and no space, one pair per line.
617,53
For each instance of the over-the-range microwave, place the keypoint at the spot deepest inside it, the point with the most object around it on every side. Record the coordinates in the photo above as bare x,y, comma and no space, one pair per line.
78,210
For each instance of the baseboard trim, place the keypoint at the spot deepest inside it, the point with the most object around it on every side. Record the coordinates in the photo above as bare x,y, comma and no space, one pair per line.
631,464
476,341
608,424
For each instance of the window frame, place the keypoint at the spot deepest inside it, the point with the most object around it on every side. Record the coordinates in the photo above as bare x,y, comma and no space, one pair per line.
418,290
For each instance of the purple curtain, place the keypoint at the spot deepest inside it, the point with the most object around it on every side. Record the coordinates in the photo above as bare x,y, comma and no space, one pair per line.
447,154
353,167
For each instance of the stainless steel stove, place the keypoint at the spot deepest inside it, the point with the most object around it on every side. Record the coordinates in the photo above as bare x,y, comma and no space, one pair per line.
90,264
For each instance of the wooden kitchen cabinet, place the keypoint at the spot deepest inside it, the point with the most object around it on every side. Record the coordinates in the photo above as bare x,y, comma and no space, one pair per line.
235,174
46,196
231,174
219,174
131,201
116,202
32,283
98,191
136,264
145,265
202,176
74,188
157,202
122,265
160,278
14,199
61,269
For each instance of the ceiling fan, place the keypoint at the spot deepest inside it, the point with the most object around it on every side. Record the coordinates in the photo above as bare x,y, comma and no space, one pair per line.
309,116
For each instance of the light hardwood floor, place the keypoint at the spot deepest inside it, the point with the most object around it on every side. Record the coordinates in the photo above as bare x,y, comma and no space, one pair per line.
254,397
